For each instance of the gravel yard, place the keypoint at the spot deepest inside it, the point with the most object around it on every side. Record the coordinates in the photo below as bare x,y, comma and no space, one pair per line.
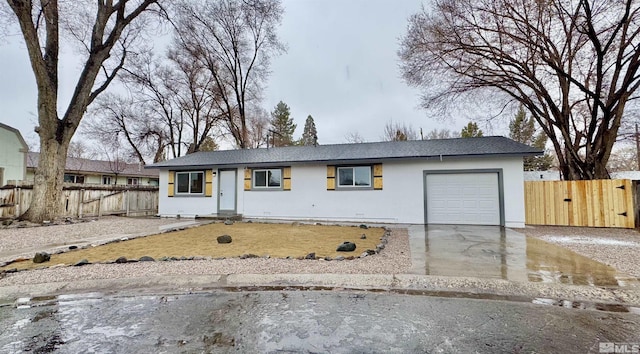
619,248
394,259
30,239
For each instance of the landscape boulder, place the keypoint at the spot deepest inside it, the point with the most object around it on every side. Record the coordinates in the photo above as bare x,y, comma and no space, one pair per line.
363,237
228,222
311,255
146,259
224,239
249,255
41,257
81,263
346,246
121,260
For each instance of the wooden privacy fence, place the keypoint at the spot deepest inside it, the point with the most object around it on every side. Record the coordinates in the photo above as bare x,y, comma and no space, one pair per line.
596,203
86,200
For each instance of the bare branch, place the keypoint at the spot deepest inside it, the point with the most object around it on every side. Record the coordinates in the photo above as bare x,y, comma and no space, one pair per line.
572,64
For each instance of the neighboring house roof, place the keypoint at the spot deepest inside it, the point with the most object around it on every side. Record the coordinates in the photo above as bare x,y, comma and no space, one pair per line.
550,175
25,147
430,149
78,165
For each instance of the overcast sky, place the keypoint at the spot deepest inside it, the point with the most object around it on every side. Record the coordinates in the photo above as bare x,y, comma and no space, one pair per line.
341,67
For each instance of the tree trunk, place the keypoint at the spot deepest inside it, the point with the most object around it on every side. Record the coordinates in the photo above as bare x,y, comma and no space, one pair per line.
46,201
591,168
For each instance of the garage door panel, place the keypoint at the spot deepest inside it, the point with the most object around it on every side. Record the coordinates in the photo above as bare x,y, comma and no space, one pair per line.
463,198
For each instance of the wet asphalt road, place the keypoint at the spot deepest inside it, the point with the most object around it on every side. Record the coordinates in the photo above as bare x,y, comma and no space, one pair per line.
304,321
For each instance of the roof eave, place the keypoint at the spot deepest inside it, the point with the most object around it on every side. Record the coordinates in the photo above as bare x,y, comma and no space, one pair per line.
341,161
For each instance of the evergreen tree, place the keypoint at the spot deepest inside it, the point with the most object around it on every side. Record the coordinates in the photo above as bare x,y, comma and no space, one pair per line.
471,131
523,130
310,134
282,126
208,144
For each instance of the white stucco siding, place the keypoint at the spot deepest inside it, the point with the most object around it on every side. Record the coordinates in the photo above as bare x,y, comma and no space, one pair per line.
310,199
12,156
185,206
400,201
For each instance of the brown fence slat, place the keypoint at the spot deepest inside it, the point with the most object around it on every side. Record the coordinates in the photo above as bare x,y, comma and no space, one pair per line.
597,203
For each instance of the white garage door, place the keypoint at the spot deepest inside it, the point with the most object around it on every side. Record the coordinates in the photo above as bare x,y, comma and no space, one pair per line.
463,198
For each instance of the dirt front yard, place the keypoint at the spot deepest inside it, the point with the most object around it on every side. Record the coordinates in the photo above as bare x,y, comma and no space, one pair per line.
293,240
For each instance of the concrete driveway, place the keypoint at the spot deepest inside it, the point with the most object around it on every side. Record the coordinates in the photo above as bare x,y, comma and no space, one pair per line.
501,253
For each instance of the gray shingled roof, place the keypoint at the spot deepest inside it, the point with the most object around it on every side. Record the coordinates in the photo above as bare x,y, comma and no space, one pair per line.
97,166
363,152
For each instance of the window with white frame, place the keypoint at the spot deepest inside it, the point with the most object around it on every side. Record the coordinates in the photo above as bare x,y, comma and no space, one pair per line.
134,181
267,178
356,177
190,182
106,180
69,178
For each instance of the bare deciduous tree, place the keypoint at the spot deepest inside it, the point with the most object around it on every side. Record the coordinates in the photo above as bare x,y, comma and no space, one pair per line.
118,121
354,138
80,150
443,133
235,41
398,132
573,64
117,162
196,95
106,30
623,158
171,103
257,127
153,87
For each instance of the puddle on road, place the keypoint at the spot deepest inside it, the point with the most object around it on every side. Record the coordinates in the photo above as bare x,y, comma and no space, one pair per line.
494,252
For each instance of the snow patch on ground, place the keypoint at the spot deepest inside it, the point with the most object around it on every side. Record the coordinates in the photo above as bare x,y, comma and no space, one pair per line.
590,241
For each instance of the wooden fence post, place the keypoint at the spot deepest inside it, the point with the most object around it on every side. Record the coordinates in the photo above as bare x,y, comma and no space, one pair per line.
80,200
100,206
16,196
126,198
123,207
